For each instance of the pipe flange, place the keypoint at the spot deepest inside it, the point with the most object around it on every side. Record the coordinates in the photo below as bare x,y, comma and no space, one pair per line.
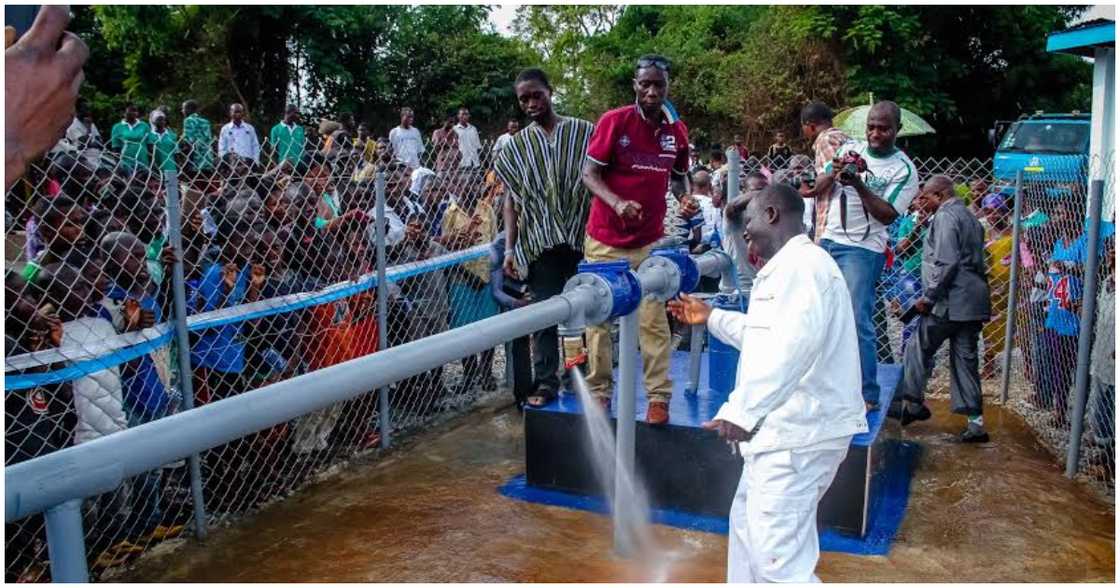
600,290
668,278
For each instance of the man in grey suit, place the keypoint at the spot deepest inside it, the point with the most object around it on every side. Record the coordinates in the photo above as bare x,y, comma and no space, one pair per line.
955,303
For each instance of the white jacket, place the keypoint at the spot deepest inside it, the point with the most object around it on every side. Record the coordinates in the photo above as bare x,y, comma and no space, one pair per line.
799,359
97,396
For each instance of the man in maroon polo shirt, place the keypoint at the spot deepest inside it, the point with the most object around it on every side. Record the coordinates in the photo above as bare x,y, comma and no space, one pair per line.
635,152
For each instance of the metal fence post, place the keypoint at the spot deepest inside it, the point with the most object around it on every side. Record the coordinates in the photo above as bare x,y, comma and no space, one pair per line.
1085,337
385,419
1013,287
66,543
734,168
186,384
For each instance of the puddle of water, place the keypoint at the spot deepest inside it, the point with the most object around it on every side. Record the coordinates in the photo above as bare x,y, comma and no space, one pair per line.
631,519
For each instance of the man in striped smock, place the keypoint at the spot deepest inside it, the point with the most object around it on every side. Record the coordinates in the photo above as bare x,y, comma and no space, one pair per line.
545,211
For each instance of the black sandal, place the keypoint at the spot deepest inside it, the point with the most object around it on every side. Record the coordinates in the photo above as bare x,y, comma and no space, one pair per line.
542,397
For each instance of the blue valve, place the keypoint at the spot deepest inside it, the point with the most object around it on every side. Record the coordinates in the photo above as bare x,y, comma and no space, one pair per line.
690,273
626,292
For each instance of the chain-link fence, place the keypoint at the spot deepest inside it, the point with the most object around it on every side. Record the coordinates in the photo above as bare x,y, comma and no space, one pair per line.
280,260
1053,253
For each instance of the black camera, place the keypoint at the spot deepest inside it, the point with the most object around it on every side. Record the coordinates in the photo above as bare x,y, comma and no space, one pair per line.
851,165
806,177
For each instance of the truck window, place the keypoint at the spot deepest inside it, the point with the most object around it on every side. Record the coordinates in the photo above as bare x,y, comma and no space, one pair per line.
1046,137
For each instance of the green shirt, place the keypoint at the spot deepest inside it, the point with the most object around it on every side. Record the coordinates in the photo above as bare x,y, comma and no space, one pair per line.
332,203
153,256
908,228
167,146
132,142
288,142
30,271
196,132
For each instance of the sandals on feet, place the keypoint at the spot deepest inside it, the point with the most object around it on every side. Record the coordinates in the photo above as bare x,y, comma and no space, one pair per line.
541,397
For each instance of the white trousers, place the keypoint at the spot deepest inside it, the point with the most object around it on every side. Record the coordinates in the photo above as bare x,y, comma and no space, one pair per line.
773,522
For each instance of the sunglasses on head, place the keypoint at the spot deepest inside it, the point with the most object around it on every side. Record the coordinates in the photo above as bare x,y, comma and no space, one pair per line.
660,64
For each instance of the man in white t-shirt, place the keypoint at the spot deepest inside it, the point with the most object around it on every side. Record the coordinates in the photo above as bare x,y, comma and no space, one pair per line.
860,209
470,145
407,143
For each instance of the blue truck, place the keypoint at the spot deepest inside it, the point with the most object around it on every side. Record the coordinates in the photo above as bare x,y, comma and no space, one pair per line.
1056,143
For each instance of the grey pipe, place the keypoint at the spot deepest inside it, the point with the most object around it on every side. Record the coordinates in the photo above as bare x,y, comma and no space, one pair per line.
716,263
66,543
182,339
101,465
385,419
695,351
1085,337
1013,292
734,168
624,541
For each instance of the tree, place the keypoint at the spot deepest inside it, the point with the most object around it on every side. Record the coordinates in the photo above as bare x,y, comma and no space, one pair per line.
560,34
960,68
748,70
367,60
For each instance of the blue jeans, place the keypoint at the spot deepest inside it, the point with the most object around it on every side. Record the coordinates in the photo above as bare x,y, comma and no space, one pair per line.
861,268
146,487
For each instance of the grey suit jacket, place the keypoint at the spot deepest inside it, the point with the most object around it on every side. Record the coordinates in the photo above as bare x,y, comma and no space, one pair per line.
954,272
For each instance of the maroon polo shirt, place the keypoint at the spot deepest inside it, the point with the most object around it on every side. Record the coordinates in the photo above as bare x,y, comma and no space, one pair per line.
638,155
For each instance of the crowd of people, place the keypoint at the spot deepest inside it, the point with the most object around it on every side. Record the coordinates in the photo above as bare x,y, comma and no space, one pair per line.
261,220
813,237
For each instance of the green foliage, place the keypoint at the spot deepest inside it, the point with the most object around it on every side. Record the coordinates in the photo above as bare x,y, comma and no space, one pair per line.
366,60
748,70
736,69
960,68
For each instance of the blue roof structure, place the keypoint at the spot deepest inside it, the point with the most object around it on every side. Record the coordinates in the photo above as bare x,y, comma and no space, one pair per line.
1084,38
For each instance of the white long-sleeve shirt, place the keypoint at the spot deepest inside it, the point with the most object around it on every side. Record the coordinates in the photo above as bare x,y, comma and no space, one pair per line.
241,140
469,145
799,358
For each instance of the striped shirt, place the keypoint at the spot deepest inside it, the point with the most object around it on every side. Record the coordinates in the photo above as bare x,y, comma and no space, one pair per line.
825,148
196,132
542,174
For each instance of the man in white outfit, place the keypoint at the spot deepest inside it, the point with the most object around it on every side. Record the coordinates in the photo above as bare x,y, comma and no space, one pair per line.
470,145
238,136
797,401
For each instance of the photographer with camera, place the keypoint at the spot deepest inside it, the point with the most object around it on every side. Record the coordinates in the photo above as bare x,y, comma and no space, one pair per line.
869,184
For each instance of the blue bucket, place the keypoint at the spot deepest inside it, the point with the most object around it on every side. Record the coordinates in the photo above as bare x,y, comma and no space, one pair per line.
723,359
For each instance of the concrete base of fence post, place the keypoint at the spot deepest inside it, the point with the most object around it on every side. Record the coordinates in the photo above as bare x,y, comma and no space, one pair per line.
66,543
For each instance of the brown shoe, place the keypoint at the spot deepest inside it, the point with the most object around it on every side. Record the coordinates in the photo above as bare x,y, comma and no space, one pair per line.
657,413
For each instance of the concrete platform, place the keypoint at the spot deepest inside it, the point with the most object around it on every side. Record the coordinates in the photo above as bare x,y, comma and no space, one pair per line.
685,467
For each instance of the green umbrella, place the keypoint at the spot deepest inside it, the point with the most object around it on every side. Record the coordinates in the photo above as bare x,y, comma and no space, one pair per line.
853,121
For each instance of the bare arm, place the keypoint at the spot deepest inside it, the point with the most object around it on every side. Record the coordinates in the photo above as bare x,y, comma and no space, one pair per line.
593,179
509,216
877,207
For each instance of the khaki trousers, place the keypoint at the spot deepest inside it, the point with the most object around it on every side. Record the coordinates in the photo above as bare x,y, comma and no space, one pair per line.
653,334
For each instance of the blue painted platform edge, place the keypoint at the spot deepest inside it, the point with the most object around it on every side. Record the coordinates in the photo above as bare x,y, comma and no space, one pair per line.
689,410
888,506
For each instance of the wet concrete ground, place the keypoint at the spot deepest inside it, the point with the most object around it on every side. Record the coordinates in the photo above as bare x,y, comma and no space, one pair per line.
996,513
